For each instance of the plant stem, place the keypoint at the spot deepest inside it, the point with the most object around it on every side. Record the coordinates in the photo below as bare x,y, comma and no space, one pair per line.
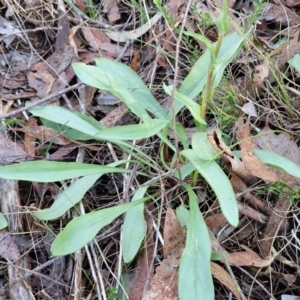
208,87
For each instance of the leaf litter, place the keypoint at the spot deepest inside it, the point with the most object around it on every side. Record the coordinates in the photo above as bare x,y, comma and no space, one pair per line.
36,56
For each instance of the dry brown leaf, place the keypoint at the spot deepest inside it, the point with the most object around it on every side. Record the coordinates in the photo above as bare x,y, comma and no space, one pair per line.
81,5
45,134
251,162
114,116
164,285
42,81
29,140
244,258
8,248
219,273
111,8
10,152
293,3
95,38
215,222
260,74
143,262
279,13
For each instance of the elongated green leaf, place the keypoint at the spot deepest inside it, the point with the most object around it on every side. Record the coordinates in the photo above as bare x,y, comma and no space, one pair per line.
65,117
83,229
194,83
133,94
128,78
190,104
3,222
133,132
184,171
182,215
195,280
51,171
180,131
295,62
220,184
70,132
202,146
278,161
67,199
134,227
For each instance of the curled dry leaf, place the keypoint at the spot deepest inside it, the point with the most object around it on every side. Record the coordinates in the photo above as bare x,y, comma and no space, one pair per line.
244,258
232,162
219,273
251,162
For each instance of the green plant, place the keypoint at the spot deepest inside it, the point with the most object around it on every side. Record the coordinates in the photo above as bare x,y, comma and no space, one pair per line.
195,280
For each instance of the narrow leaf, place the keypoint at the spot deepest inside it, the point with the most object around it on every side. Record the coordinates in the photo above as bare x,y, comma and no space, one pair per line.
193,107
202,146
3,222
132,92
220,184
295,62
63,116
133,132
134,227
277,161
68,198
194,83
51,171
83,229
195,279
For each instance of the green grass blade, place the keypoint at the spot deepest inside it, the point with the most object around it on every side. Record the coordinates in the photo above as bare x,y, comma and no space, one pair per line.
220,184
83,229
67,199
195,279
51,171
134,227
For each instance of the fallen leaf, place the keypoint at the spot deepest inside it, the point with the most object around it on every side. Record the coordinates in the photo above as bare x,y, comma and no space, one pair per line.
95,38
45,134
114,116
10,152
111,8
164,284
249,109
292,3
260,74
8,248
280,14
143,262
219,273
29,140
251,162
244,258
